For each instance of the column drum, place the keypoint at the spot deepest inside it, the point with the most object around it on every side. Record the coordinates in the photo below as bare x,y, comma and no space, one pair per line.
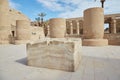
93,23
57,28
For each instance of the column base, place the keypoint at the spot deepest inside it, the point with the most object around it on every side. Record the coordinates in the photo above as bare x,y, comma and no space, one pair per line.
94,42
4,42
114,42
22,41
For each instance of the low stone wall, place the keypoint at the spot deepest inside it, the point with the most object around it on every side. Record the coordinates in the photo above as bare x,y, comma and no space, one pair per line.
62,54
113,39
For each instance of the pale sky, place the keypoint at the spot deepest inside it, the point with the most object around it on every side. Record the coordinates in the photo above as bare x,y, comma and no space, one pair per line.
62,8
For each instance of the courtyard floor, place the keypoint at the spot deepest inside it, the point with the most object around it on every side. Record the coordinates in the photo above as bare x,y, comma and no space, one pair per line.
98,63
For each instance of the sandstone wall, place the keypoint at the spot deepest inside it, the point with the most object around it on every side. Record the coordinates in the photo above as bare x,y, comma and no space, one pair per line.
37,33
4,22
16,15
113,39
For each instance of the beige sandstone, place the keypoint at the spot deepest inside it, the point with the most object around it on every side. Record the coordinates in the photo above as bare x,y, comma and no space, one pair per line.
8,19
93,23
57,28
4,22
37,33
93,30
4,6
23,31
16,15
113,21
74,28
95,42
58,53
113,39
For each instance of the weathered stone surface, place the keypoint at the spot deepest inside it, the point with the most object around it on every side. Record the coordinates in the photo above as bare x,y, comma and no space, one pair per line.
93,23
23,30
4,22
4,6
16,15
21,41
57,27
93,30
113,39
62,54
37,33
95,42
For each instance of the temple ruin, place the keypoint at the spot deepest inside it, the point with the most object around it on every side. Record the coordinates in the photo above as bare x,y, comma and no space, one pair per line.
74,26
112,32
15,26
58,52
57,45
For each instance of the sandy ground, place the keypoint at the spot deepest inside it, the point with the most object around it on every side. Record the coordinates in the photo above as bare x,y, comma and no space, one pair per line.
98,63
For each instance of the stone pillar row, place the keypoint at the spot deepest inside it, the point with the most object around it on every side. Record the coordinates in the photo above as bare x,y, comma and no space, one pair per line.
71,27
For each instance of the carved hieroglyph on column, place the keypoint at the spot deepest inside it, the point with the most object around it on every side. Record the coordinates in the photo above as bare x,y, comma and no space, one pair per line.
23,31
93,29
4,22
57,28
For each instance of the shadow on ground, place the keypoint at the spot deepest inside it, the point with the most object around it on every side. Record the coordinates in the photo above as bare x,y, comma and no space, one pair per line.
22,61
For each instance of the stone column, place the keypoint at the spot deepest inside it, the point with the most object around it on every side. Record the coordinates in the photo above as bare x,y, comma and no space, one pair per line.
78,31
81,27
5,28
57,27
93,29
113,26
71,28
23,31
48,29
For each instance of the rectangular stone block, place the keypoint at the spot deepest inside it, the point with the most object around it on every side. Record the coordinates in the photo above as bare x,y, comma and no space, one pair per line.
62,54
